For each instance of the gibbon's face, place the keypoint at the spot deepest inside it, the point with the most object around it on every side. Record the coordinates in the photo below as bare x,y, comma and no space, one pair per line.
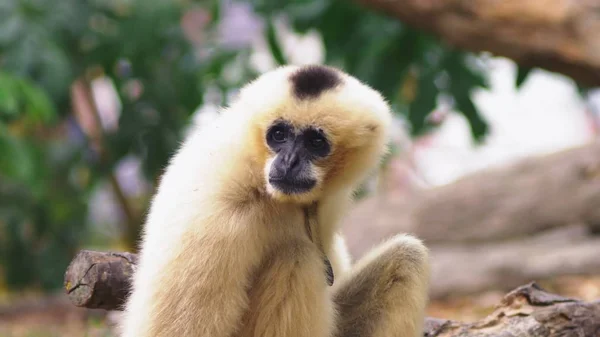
315,129
294,170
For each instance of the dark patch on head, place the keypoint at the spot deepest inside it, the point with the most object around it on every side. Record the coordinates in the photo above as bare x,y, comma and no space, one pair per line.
310,81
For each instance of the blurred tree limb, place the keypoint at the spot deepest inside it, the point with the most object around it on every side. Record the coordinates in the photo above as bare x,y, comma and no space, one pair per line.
474,268
101,280
557,35
527,197
497,228
98,140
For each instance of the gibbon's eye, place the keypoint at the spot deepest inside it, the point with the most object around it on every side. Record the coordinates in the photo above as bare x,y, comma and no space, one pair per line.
279,135
316,142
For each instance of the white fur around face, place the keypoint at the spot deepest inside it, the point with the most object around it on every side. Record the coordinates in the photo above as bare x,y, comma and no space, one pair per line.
270,189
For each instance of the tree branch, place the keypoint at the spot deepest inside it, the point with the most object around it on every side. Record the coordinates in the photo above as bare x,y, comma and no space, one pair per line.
472,268
527,311
98,280
95,132
101,280
558,35
530,196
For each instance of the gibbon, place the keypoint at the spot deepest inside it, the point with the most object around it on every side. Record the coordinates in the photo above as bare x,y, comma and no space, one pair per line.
242,236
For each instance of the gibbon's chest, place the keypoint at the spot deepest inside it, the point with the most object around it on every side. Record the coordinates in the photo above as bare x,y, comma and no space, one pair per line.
301,224
292,276
314,233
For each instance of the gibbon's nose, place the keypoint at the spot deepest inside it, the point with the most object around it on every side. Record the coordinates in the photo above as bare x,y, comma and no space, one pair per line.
291,162
286,167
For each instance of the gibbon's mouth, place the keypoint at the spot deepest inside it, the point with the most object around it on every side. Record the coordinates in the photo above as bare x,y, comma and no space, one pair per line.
288,186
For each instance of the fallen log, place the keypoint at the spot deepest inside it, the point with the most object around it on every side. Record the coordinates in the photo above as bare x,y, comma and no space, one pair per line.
527,197
558,35
101,280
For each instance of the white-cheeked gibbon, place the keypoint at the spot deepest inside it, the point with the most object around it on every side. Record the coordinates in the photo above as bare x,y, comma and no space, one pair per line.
242,237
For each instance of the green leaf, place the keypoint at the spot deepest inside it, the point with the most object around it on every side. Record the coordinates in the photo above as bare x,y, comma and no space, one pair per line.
522,74
463,79
21,96
274,45
9,104
424,102
16,161
37,104
214,7
479,127
582,89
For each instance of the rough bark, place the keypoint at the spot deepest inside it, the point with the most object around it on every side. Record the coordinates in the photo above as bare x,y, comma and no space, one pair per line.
557,35
527,311
100,280
527,197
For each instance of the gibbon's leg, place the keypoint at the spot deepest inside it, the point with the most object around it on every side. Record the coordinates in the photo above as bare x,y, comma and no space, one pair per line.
288,297
386,292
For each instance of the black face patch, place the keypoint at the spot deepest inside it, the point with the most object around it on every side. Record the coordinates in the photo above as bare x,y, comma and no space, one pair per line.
310,142
310,81
295,150
315,142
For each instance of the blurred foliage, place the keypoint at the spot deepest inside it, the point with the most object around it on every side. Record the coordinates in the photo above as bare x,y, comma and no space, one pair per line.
50,165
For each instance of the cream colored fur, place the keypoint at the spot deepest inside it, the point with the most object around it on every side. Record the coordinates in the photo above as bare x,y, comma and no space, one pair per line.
223,254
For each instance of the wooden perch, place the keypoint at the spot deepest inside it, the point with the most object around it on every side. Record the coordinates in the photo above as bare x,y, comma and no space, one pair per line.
558,35
101,280
527,311
525,198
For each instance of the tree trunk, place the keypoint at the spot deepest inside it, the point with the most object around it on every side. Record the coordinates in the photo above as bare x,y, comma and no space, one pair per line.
102,280
557,35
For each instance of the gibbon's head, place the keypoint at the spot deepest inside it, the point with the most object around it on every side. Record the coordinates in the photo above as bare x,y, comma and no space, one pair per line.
314,130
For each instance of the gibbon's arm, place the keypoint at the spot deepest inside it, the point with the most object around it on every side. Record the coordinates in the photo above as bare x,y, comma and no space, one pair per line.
199,247
290,295
199,290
